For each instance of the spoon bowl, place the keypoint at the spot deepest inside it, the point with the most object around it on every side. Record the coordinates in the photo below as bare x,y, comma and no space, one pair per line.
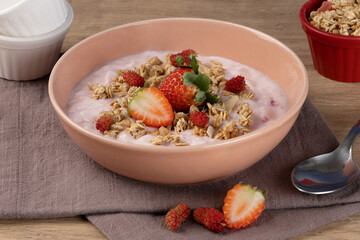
328,172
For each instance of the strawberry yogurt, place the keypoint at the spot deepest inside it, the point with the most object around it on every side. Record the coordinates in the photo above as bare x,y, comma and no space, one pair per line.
268,104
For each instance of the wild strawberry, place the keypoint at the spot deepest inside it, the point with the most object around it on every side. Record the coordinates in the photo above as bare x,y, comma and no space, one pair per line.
211,218
180,96
104,122
133,79
236,84
185,55
152,107
199,119
243,204
176,216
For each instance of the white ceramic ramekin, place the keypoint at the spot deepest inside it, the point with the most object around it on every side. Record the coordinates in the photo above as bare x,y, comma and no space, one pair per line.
33,57
29,18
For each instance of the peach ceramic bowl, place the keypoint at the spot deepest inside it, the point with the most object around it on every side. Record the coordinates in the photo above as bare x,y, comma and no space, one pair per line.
190,164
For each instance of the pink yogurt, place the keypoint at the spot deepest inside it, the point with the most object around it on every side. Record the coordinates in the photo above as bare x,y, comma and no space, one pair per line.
269,103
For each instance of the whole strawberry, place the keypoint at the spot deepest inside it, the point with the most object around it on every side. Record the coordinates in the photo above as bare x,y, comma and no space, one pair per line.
185,55
133,79
187,86
199,119
211,218
104,123
180,96
236,84
176,216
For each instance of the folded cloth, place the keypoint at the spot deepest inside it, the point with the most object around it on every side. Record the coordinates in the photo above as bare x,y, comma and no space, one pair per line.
43,174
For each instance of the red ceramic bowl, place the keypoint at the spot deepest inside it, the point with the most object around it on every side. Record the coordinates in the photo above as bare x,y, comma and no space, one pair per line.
336,57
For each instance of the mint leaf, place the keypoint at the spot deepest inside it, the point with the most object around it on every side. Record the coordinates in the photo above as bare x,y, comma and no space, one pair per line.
200,96
193,63
211,98
188,78
180,61
203,82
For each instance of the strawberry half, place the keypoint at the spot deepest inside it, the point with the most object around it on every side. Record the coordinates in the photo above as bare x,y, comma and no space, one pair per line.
152,107
243,204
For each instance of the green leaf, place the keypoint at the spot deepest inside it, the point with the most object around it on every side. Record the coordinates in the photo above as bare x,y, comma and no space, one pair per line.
193,63
265,193
200,96
203,82
211,98
188,78
180,61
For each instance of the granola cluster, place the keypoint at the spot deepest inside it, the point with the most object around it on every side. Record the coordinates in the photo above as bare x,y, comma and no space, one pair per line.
343,18
154,72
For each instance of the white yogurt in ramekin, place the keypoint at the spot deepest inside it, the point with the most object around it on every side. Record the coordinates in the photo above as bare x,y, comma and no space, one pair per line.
8,5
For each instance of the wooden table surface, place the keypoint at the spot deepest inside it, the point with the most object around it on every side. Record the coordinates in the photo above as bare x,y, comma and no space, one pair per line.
337,102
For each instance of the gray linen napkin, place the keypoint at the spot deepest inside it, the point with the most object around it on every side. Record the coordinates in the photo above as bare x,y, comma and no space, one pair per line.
44,175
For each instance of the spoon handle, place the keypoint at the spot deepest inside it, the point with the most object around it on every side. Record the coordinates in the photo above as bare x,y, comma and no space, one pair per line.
354,132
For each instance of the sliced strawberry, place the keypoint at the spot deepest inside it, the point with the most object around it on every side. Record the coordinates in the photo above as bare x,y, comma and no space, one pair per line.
152,107
243,204
325,6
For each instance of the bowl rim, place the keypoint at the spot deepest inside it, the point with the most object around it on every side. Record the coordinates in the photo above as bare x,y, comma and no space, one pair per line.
27,42
320,33
192,148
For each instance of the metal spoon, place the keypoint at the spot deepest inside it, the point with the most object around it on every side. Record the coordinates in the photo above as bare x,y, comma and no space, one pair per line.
329,172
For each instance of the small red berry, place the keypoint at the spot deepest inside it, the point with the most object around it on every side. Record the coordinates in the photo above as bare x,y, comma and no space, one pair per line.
236,84
211,218
104,123
199,119
176,216
185,54
133,79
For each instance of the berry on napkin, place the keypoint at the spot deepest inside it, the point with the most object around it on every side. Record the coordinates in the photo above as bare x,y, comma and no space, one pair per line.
176,216
211,218
243,204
